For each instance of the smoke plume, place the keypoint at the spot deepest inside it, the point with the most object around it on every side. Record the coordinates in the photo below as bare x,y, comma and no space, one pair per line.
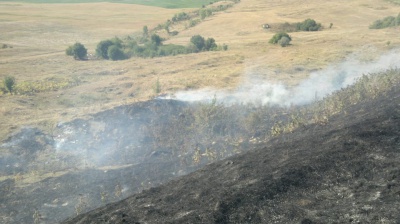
318,85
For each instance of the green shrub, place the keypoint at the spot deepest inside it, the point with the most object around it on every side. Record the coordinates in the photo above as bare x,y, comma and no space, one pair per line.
194,22
9,83
157,40
145,31
78,51
102,48
309,25
306,25
198,41
275,39
180,16
115,53
205,13
210,44
284,41
389,21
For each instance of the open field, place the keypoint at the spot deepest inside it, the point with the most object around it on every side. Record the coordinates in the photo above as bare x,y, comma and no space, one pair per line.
155,3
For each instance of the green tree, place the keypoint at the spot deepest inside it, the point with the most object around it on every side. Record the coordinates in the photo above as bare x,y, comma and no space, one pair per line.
157,40
9,83
145,31
309,25
275,39
78,51
117,42
102,48
284,41
198,41
210,44
115,53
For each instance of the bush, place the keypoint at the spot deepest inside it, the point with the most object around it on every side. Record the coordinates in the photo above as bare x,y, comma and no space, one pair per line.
210,44
102,48
306,25
157,40
386,22
309,25
9,83
194,22
180,16
78,51
205,13
277,37
115,53
198,41
284,41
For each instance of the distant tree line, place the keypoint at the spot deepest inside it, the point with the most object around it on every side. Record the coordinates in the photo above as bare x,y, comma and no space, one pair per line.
117,49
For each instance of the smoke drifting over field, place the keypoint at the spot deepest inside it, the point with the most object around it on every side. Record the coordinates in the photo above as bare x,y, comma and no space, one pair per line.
318,85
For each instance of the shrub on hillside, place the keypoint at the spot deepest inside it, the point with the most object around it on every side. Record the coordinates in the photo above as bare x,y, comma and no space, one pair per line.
157,40
102,48
210,44
284,41
180,16
309,25
198,41
277,37
386,22
9,83
306,25
78,51
115,53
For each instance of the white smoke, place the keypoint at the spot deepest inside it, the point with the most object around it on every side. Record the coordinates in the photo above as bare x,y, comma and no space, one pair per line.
319,84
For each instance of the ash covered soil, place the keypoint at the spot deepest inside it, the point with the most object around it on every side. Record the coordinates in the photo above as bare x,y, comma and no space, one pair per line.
345,171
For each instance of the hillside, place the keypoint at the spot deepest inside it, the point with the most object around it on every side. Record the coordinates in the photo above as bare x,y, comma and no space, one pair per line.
346,171
272,143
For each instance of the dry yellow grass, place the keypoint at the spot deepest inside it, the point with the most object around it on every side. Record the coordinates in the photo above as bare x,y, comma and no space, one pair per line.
39,34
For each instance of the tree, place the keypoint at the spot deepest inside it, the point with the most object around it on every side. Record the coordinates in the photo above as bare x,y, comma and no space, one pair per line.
210,44
115,53
198,41
309,25
102,48
284,41
9,83
275,39
78,51
157,40
145,31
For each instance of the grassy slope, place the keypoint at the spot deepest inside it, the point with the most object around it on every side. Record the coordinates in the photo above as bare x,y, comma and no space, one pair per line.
39,34
156,3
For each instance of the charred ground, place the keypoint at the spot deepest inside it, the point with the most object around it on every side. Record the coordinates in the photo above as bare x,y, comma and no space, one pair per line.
345,171
333,161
